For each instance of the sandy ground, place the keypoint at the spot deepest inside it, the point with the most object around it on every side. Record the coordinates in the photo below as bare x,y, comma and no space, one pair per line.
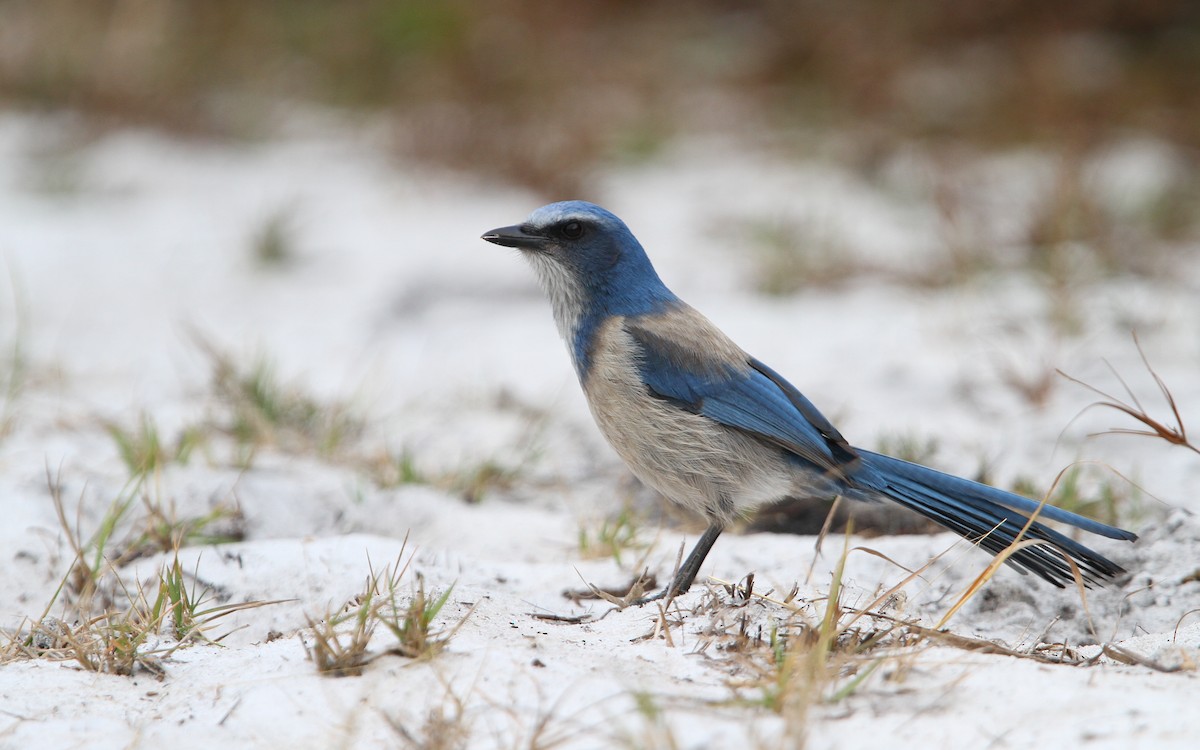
122,250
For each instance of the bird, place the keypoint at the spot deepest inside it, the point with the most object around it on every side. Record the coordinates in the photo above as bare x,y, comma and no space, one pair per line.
716,430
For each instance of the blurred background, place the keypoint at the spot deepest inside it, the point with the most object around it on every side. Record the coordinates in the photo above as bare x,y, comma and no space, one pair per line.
988,191
243,296
541,92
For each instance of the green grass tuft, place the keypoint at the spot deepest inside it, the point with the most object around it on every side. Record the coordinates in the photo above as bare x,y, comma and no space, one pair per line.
613,537
143,450
339,641
264,412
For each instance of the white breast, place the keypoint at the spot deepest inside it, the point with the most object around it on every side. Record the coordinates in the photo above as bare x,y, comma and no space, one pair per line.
566,296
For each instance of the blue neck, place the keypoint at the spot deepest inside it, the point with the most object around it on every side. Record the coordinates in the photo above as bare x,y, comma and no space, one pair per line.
648,297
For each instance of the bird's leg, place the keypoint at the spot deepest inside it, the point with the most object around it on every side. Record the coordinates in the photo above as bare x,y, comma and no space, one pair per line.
690,569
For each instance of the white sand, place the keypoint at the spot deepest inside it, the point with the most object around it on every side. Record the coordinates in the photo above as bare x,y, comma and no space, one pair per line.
117,248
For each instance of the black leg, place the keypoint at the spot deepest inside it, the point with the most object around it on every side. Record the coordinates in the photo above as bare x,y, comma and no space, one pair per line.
690,568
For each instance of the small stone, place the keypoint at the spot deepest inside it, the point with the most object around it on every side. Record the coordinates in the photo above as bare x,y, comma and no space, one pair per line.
50,633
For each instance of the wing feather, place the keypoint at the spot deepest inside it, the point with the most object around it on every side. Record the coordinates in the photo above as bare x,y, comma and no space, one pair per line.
742,393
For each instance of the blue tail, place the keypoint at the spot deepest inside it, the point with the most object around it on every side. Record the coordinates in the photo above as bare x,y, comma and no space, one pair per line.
990,517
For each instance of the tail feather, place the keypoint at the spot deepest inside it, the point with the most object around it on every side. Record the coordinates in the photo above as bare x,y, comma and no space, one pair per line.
992,518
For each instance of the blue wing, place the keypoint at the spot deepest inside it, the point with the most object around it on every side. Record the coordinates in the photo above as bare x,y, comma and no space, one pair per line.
747,395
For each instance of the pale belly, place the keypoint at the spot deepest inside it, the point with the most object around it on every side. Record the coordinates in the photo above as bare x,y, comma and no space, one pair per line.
689,458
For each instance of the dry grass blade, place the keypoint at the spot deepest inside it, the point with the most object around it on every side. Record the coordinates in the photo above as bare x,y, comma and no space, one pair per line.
1020,542
628,595
833,508
967,643
1179,622
997,561
155,620
339,654
444,728
622,595
264,411
877,602
1175,435
184,607
116,644
1134,659
801,661
412,625
120,626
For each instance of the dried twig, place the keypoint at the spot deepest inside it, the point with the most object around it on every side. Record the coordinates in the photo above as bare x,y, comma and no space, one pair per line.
1175,435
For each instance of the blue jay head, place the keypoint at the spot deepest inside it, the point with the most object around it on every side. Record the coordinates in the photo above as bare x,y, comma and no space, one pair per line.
587,258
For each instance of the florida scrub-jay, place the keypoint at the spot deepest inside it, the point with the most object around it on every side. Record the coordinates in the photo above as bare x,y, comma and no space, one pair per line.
715,430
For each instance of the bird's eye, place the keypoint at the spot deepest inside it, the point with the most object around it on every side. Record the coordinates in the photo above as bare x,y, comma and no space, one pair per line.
572,230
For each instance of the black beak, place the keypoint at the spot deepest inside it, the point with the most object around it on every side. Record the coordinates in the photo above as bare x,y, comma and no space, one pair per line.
514,236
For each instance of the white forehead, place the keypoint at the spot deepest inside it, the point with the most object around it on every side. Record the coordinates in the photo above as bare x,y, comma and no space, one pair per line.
556,213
